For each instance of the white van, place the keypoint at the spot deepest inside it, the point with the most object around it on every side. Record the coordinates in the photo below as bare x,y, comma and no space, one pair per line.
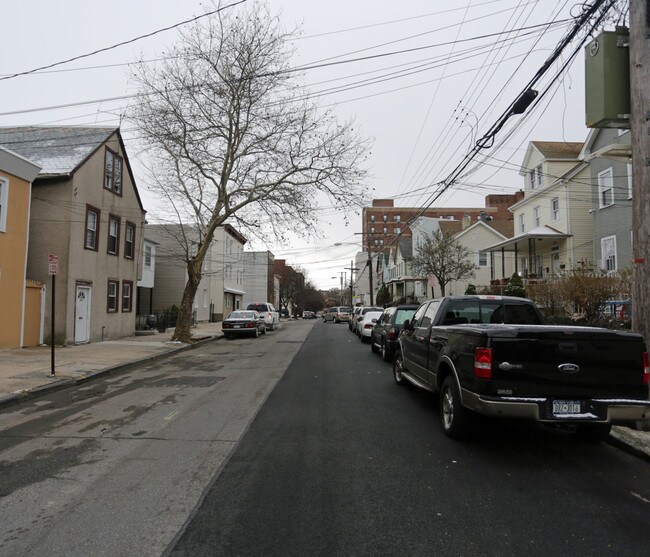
268,312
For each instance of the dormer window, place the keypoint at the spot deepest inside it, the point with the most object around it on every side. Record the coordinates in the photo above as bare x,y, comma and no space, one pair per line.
113,172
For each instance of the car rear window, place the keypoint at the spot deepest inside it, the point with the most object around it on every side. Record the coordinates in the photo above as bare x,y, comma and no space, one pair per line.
404,314
257,307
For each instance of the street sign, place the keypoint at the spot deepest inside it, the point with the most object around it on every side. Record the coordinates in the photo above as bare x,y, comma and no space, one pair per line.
53,263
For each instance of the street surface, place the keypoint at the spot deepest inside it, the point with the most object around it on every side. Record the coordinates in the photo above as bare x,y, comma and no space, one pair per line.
275,446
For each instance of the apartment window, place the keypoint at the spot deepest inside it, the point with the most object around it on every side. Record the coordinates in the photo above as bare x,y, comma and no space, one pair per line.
129,240
111,302
113,172
372,218
113,234
605,188
396,218
372,230
127,295
608,251
536,217
629,181
92,228
397,230
385,218
147,257
555,208
376,242
385,231
522,223
381,242
4,199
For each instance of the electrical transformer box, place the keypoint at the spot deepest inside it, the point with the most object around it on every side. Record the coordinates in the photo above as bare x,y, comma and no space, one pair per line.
607,80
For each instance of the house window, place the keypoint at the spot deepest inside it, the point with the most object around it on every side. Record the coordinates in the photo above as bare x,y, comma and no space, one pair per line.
608,251
92,228
127,295
536,217
538,176
531,179
555,208
113,234
129,240
482,259
147,257
396,218
205,298
397,230
111,303
522,224
629,181
113,172
605,188
4,198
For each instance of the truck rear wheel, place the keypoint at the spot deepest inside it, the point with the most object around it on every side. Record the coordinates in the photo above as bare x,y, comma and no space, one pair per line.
455,418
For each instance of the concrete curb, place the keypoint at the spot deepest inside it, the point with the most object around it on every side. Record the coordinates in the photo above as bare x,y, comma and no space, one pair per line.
21,396
624,439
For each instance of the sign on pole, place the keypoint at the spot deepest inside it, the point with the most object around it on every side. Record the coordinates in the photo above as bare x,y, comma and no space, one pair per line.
53,263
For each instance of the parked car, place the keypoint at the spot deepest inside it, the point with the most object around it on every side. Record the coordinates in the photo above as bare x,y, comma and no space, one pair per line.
337,314
308,315
385,334
367,323
493,356
268,312
358,315
243,322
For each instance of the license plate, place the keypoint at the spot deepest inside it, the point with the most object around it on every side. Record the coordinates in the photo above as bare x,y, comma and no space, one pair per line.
566,407
237,326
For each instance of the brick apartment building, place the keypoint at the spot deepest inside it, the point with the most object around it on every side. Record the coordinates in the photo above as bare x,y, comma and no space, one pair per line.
383,222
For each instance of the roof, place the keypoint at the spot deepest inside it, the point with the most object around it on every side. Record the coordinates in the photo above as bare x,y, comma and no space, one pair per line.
452,227
540,232
558,149
405,246
57,150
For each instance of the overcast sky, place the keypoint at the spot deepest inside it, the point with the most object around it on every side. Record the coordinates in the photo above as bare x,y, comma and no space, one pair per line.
424,108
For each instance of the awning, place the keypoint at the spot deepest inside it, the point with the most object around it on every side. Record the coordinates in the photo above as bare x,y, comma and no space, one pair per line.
539,233
233,291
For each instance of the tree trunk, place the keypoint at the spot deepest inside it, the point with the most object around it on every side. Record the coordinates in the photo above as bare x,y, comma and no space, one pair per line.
182,331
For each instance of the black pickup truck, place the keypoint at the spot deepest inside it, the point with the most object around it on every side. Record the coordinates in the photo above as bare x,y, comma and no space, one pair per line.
493,356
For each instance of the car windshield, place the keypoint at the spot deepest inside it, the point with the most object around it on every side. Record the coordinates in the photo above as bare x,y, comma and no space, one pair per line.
345,310
242,315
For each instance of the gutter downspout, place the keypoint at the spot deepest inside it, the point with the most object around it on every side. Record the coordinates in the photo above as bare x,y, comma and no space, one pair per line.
24,292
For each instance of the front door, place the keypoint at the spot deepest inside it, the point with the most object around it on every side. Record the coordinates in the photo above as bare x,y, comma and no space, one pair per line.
82,315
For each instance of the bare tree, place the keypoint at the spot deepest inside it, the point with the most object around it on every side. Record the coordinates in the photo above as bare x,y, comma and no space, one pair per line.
231,136
444,257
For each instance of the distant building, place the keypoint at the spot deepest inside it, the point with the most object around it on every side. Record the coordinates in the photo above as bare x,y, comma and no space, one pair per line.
259,277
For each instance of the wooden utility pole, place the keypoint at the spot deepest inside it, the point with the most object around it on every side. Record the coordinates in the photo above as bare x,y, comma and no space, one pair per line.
640,129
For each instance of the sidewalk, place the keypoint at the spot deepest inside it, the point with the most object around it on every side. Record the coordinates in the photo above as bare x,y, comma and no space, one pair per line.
25,373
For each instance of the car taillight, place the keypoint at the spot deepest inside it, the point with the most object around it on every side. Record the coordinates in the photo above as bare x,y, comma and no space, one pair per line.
368,326
270,316
483,363
225,325
646,369
392,333
250,325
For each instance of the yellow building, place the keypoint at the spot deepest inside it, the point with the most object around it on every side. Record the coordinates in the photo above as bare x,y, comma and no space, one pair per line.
16,176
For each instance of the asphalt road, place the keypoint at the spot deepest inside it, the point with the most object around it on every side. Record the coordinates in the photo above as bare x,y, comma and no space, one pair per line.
114,467
341,461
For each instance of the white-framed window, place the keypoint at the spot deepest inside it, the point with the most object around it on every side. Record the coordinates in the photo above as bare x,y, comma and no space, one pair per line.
385,218
397,230
536,216
522,223
396,218
147,257
555,208
205,298
381,242
531,179
605,188
385,231
372,230
113,172
483,260
113,235
608,252
629,181
111,301
129,240
127,295
538,175
372,218
4,202
91,240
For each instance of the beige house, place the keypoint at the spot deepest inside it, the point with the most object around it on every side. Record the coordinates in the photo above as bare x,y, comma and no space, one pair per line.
87,213
553,224
476,238
20,299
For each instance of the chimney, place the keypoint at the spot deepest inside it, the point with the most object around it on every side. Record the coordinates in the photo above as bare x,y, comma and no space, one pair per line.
467,221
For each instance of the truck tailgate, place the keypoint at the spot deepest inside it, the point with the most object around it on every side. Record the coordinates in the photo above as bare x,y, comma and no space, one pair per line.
576,363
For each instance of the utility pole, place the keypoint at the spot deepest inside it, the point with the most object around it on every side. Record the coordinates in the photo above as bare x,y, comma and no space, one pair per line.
351,268
640,130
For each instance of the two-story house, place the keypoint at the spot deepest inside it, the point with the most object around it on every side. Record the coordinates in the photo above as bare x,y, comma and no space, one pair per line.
553,230
226,272
609,153
86,211
21,300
